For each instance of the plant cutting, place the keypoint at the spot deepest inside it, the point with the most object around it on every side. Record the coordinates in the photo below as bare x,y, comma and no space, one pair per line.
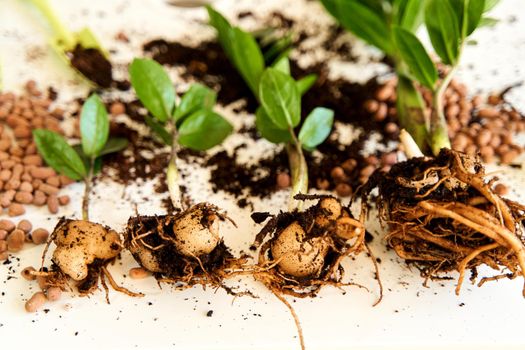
81,50
443,215
391,27
185,247
83,248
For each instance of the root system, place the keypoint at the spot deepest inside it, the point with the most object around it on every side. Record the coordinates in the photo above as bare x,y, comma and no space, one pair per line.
443,215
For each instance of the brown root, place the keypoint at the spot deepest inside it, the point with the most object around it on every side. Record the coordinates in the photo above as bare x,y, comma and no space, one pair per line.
443,216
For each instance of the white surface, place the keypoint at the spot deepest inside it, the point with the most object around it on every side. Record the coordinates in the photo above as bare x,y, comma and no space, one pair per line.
410,316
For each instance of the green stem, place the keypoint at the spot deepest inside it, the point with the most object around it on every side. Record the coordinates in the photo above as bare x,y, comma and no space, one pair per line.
87,189
411,111
65,37
299,171
173,172
438,123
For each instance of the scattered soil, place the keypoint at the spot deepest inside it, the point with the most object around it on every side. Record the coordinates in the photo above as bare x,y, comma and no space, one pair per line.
93,65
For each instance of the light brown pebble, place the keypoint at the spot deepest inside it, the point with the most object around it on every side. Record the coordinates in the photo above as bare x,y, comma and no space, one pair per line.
117,108
40,236
323,184
371,106
494,100
53,181
367,171
5,175
384,92
337,173
25,225
371,159
501,189
48,189
7,225
391,128
64,200
39,198
381,113
53,293
42,282
42,172
24,197
343,189
26,187
488,112
3,235
138,273
389,158
15,209
483,137
33,159
64,180
509,156
3,245
22,132
349,165
26,273
7,197
36,302
15,240
283,180
52,204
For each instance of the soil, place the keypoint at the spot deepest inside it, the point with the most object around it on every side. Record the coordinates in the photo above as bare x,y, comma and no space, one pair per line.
93,65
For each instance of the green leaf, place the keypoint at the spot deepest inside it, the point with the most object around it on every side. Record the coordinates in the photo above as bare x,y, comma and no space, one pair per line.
197,97
305,83
316,127
488,22
282,65
490,4
153,87
58,154
409,14
97,164
468,22
268,129
223,28
363,21
416,57
203,130
280,98
443,30
159,130
94,126
114,144
247,57
278,48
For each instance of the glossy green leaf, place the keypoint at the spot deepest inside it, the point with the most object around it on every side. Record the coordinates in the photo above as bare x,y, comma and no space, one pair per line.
278,49
443,30
363,21
153,87
159,130
416,57
490,4
94,126
279,96
305,83
203,130
409,14
114,144
247,57
223,28
197,97
316,127
58,154
268,129
97,164
468,20
282,65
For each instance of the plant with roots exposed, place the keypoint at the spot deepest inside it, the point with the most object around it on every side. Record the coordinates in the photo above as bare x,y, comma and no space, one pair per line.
185,249
442,215
301,251
83,252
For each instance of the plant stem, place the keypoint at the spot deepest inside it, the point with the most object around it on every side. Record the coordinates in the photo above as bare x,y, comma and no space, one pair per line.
411,111
299,171
438,123
87,189
65,37
172,176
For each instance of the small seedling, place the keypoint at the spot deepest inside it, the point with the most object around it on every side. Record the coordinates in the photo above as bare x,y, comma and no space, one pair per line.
391,27
83,161
280,98
84,249
184,247
192,123
81,50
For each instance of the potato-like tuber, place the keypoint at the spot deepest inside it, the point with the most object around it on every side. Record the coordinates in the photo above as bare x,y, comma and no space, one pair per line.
79,243
181,248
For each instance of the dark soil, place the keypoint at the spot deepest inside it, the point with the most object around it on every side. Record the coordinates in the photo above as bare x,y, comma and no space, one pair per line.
93,65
